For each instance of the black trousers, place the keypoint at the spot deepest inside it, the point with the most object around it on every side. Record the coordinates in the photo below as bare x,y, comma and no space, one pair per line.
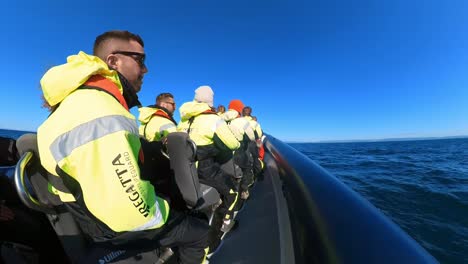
211,174
247,179
244,159
187,233
190,236
257,166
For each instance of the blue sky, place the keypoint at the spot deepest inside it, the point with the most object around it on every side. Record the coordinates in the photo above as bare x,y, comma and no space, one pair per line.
311,70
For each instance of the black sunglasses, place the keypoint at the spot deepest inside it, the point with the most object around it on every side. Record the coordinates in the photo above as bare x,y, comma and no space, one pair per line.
137,56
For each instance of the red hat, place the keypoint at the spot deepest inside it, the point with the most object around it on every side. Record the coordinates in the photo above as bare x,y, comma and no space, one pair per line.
236,105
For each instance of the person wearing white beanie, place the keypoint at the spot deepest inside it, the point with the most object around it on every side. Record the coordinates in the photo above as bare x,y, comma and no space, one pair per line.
215,146
204,94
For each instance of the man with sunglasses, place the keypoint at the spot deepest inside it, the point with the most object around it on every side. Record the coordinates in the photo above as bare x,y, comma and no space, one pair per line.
90,142
156,122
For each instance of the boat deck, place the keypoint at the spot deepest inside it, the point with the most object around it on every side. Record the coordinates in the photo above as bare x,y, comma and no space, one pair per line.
263,234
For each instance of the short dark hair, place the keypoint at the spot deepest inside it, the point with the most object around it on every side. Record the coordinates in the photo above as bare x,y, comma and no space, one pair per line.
221,107
163,96
114,34
247,111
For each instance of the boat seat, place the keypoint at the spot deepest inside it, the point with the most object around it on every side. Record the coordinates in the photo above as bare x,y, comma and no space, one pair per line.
37,197
182,152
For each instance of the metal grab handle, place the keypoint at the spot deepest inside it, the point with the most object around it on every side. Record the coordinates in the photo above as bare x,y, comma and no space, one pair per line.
23,193
194,148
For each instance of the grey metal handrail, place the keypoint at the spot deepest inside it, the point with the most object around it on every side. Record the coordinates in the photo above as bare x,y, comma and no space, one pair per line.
20,185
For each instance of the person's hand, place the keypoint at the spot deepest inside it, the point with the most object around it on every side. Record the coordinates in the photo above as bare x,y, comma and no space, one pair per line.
6,214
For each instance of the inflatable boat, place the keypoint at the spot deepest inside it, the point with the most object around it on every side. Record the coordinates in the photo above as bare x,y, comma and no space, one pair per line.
297,212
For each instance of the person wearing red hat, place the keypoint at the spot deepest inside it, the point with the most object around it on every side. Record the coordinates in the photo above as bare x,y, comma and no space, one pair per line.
244,133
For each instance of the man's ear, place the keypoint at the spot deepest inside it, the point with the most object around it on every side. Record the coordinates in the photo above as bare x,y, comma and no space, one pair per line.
111,61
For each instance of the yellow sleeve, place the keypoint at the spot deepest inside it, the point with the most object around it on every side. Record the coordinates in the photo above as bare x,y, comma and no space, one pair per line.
225,134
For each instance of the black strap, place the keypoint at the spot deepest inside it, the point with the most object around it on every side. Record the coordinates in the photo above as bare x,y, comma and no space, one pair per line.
129,92
58,184
190,121
209,112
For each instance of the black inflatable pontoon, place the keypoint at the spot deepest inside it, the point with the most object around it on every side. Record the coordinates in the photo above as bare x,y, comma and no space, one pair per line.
299,213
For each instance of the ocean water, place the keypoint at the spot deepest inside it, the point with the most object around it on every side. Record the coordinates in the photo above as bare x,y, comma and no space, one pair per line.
421,185
12,133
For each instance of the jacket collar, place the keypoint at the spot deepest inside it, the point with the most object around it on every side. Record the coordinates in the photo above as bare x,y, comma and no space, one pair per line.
166,113
129,92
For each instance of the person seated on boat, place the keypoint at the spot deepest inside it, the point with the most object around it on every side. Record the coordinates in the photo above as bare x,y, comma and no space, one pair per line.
156,122
220,110
255,146
215,145
261,150
90,142
241,128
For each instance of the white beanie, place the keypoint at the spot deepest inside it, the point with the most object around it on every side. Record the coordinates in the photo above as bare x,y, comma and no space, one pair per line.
204,94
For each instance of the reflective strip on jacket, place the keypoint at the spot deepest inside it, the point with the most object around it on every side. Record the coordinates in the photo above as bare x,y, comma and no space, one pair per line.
94,140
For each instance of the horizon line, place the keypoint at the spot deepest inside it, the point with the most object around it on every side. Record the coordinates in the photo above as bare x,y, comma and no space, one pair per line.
377,140
337,140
